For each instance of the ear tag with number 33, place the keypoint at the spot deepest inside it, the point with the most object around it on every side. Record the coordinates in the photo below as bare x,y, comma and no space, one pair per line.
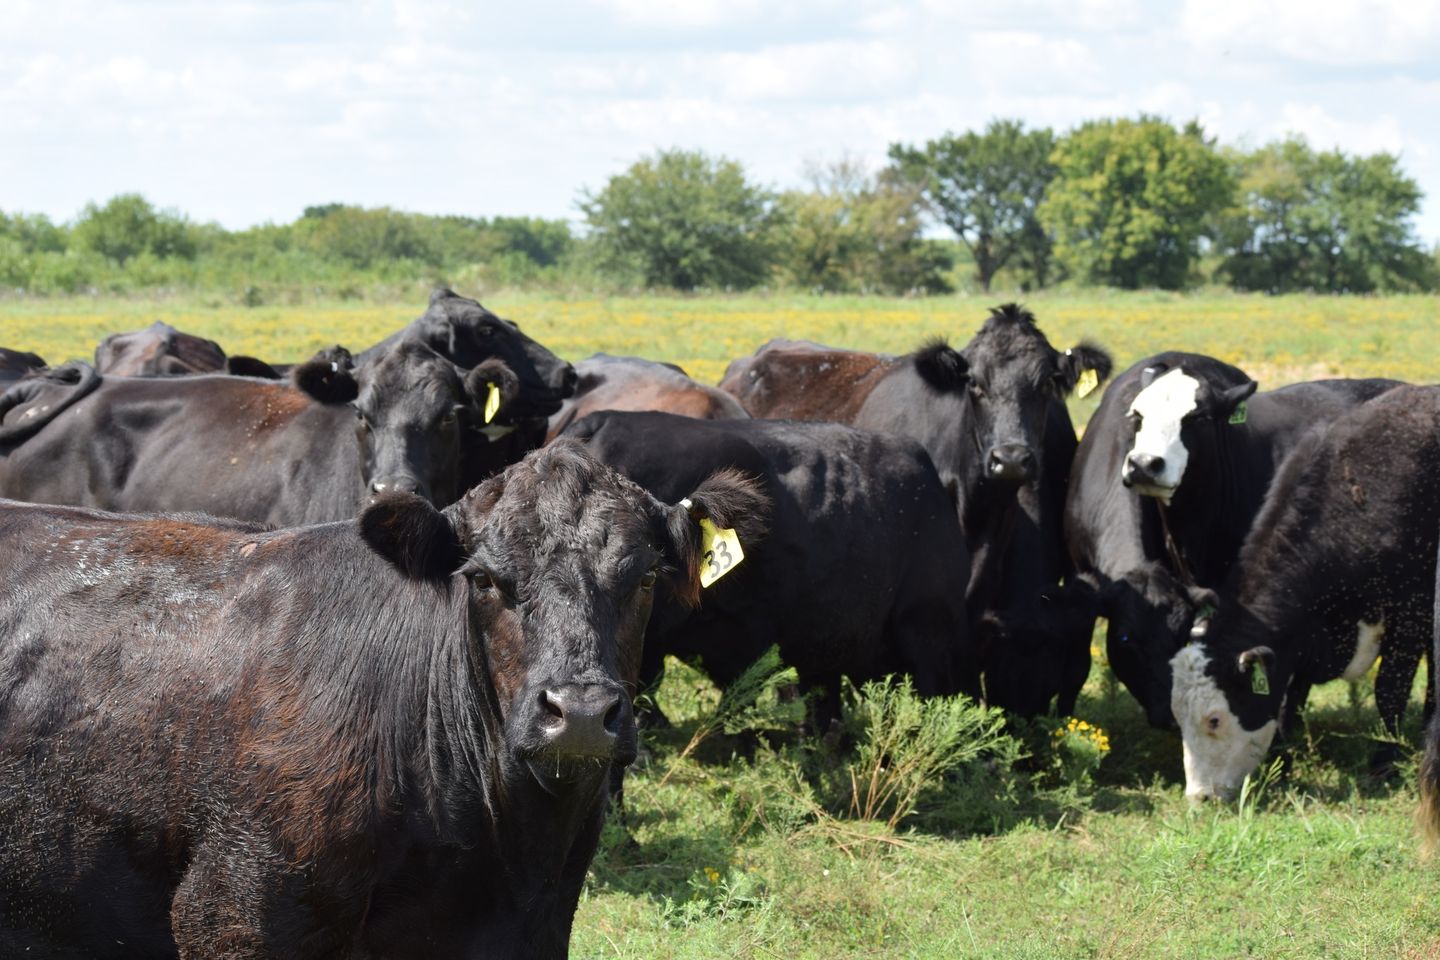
719,552
1086,383
492,402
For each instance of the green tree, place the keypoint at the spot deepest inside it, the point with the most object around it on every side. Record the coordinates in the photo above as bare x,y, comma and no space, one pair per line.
1132,199
856,232
986,188
683,220
1323,221
128,225
366,238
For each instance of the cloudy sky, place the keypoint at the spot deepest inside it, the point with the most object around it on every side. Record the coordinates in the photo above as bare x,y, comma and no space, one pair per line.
244,112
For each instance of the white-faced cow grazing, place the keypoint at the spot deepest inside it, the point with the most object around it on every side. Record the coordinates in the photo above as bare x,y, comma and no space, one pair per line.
636,384
992,417
859,571
248,449
390,737
1180,444
1336,571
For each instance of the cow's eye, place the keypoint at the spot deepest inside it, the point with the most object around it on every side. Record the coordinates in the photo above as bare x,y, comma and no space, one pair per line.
482,580
647,582
448,420
1212,724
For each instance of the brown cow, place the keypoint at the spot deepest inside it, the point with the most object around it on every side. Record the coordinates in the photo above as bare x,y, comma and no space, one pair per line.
636,384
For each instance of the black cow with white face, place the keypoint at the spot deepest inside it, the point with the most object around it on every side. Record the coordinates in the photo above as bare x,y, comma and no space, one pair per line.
248,449
387,737
992,417
1188,435
1335,573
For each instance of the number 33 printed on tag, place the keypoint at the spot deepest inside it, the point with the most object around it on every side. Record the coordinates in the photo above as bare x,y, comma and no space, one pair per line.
720,552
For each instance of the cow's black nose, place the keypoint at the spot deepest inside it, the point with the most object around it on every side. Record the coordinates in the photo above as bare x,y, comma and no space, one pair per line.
1011,461
581,720
1145,466
397,485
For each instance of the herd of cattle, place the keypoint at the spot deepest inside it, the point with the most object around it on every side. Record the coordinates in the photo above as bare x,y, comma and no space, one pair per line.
338,658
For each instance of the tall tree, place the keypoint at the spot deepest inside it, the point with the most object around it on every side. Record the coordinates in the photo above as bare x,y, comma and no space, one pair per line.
128,225
986,188
682,219
1323,221
1132,199
853,231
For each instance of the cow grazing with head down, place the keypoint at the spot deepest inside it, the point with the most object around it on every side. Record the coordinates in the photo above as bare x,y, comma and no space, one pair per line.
390,737
1169,476
993,419
858,571
1335,573
249,449
636,384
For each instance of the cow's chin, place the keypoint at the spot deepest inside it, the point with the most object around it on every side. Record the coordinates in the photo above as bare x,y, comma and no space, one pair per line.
557,774
1161,493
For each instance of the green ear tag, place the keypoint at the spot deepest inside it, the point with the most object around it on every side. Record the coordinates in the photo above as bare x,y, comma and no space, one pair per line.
492,402
1259,679
1240,413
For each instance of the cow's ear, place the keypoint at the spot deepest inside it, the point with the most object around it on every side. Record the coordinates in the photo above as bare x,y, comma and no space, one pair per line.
728,500
250,367
1206,604
415,537
327,377
1257,664
1079,359
492,375
942,366
1231,398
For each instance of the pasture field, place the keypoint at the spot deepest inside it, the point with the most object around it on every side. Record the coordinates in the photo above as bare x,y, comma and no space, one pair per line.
747,848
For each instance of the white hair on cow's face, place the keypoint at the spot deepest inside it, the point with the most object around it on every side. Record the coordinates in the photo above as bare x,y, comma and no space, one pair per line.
1161,407
1219,752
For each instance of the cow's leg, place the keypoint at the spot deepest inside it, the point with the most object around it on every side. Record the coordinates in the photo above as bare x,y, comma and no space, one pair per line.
239,899
1396,676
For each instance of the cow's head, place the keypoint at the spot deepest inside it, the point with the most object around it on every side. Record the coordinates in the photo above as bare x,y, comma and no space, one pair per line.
1178,418
561,556
1009,374
410,406
1150,615
157,351
466,333
1227,702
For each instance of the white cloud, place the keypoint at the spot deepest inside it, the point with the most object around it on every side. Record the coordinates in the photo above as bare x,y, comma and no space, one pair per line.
1331,32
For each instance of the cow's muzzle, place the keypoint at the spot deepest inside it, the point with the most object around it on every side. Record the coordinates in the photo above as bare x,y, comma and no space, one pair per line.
1011,462
1142,468
584,720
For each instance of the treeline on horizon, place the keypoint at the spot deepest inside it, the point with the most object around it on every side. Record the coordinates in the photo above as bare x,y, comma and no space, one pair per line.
1119,203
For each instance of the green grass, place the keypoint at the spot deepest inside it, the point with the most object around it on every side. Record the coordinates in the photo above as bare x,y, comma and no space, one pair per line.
747,851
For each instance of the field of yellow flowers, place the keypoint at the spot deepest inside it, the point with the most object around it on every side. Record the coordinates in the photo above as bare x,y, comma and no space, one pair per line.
1077,842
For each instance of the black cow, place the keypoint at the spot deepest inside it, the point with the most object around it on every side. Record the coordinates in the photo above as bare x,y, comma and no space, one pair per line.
993,419
633,383
1428,813
389,737
15,364
1166,419
158,350
859,572
249,449
1335,572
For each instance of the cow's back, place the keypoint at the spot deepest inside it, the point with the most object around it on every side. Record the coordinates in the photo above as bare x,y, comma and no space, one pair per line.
800,380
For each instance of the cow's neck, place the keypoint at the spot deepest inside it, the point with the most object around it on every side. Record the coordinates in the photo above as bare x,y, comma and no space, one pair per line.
1210,514
988,518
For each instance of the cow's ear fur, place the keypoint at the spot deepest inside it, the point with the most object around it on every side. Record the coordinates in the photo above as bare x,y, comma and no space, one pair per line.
327,377
1229,399
1079,358
730,500
415,537
942,366
441,293
494,370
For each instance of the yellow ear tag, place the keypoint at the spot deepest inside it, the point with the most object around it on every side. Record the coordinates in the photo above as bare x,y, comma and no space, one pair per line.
492,402
1086,384
719,552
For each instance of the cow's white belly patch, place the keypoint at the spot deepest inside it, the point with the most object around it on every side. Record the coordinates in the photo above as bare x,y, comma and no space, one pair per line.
1367,649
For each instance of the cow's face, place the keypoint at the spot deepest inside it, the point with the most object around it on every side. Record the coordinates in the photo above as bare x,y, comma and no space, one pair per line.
563,555
463,331
408,408
1227,715
1013,375
1174,419
1149,615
